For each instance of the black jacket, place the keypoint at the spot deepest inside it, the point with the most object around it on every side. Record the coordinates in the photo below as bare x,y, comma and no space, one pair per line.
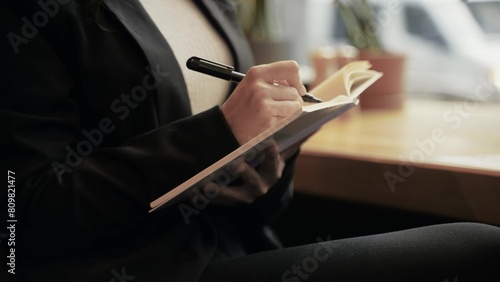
96,123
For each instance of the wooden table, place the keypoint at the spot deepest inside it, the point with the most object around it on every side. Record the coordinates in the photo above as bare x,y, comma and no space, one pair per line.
441,158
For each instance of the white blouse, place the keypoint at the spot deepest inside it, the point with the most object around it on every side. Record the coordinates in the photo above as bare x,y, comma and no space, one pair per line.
189,33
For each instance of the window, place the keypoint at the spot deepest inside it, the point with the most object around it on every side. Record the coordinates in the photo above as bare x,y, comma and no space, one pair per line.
487,15
419,23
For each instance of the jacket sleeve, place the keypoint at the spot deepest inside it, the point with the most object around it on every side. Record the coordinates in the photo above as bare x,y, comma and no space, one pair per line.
72,188
71,191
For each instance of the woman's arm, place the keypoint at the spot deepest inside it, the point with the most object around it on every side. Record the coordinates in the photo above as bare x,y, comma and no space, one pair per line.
72,189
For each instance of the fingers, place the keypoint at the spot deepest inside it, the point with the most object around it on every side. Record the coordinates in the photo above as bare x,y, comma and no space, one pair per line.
273,165
283,71
257,182
285,108
262,90
253,188
258,103
281,92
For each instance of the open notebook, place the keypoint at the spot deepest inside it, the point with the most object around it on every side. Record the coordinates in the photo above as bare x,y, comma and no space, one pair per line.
339,92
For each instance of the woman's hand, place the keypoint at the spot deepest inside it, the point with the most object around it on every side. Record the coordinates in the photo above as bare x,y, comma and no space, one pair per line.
257,182
267,94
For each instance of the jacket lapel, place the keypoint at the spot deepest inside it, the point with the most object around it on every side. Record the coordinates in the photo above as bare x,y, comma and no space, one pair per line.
173,103
161,57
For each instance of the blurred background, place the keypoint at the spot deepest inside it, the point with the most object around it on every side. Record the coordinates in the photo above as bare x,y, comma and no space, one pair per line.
424,146
450,45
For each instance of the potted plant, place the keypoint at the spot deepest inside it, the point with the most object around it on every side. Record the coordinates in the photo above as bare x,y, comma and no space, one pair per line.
361,26
259,19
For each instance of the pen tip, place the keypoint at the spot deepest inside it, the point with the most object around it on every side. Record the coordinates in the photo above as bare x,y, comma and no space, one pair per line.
311,99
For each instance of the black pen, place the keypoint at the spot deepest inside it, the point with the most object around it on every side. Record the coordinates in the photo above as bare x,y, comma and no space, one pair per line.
227,73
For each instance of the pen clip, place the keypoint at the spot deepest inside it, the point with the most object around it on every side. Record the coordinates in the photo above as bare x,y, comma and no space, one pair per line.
216,64
198,64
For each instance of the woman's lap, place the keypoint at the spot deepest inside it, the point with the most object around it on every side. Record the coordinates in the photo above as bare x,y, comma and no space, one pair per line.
448,252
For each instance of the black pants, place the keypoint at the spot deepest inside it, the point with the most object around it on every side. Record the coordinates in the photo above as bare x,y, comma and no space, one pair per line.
448,252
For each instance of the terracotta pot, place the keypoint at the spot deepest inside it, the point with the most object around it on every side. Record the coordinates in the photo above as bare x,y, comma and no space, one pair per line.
388,91
324,62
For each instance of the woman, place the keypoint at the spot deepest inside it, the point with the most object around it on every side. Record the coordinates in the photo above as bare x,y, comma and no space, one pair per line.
101,117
